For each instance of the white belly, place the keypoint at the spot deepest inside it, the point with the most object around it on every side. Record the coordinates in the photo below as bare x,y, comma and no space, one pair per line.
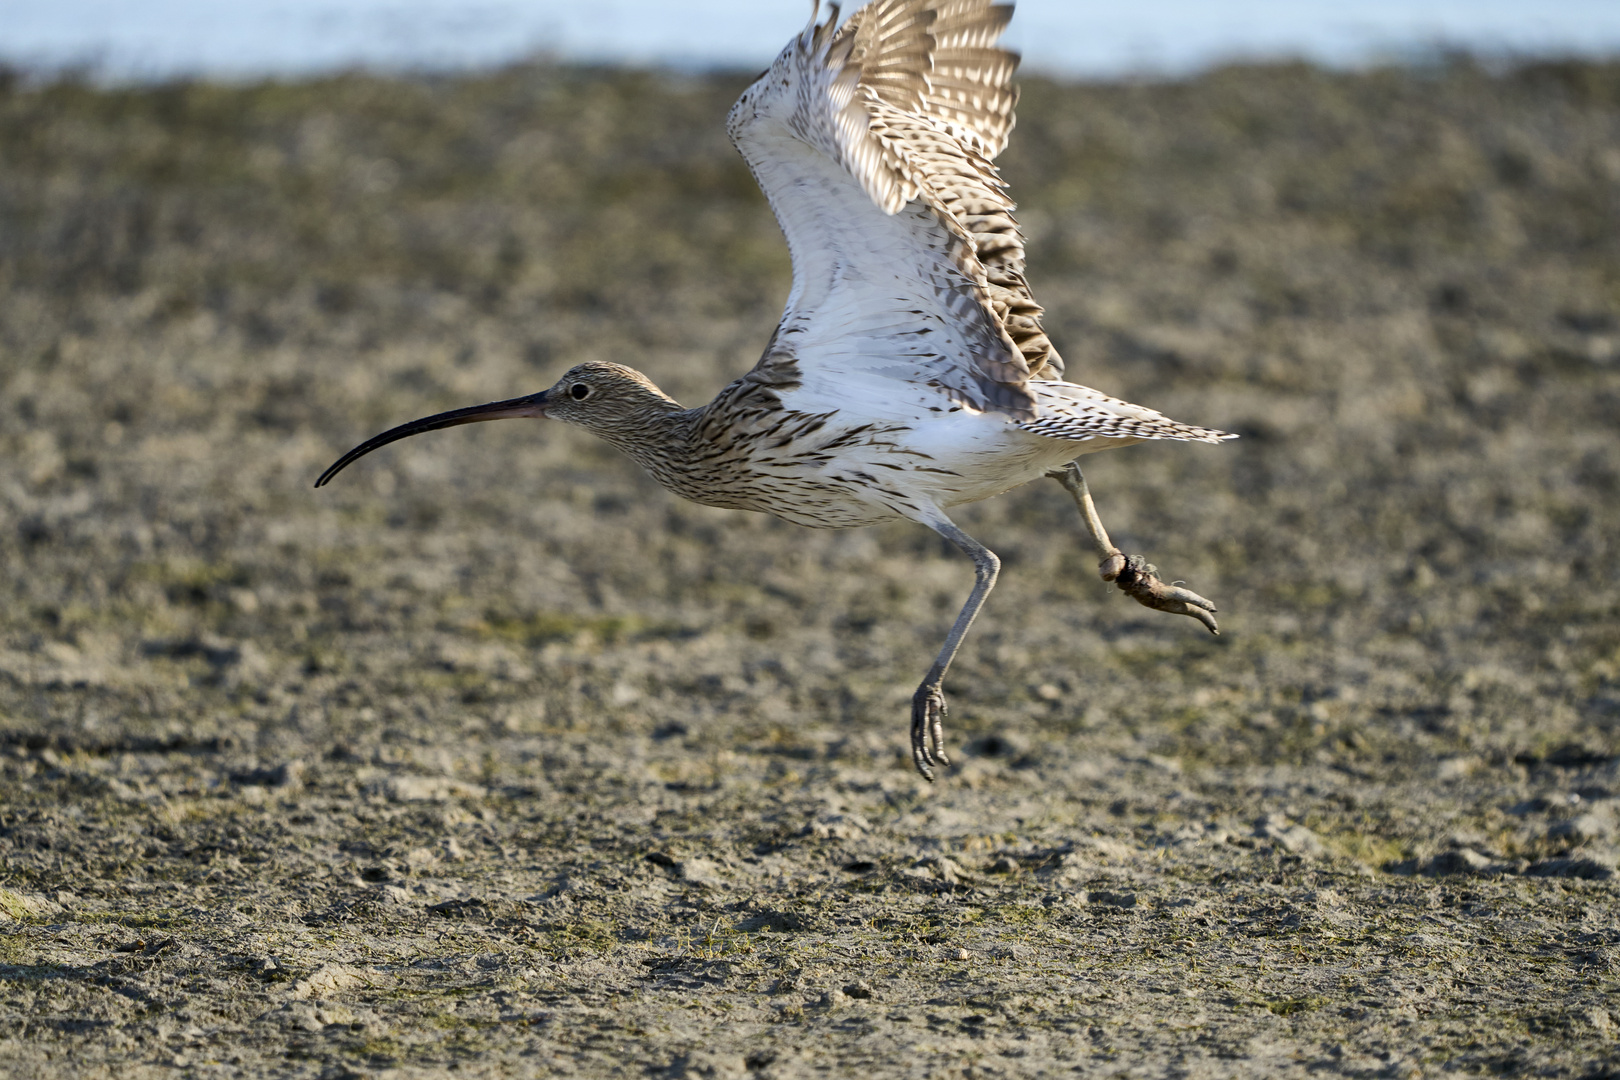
901,469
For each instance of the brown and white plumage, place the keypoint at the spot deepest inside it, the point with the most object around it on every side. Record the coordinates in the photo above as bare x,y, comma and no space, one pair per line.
884,188
909,372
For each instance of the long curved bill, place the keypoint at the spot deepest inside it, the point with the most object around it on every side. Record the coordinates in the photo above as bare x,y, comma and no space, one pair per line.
533,405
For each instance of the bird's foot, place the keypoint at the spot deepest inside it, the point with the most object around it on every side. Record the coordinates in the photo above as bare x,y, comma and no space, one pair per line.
928,729
1140,581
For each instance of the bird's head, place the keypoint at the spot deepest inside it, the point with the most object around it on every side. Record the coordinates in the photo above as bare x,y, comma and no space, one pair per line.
606,398
614,401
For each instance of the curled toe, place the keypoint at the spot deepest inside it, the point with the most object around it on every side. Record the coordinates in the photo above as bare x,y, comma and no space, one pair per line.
1140,581
928,730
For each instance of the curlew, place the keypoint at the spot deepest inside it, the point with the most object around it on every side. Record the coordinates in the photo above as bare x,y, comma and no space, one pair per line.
909,373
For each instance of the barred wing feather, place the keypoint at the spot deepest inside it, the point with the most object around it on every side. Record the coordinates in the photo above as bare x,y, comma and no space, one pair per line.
873,142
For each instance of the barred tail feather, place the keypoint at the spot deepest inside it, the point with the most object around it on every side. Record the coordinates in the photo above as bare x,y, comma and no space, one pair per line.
1079,414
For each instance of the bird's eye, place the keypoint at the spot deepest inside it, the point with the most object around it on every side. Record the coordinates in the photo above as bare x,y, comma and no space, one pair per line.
579,391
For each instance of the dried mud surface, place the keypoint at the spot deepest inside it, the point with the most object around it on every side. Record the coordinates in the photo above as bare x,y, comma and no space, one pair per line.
495,758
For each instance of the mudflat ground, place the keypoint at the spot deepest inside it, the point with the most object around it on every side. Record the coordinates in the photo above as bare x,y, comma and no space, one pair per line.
495,758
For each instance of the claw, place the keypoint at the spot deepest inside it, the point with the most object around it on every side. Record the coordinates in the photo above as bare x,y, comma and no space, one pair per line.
1140,581
928,730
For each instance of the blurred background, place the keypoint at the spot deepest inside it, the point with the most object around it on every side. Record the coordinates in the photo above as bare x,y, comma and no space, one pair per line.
259,38
1391,263
1381,241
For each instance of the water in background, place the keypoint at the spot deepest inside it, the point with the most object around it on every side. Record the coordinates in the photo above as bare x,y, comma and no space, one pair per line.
123,39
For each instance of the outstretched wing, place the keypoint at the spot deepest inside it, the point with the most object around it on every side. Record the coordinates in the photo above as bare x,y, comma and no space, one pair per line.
873,143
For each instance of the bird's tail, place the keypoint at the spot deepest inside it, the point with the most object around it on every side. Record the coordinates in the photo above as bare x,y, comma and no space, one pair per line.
1067,410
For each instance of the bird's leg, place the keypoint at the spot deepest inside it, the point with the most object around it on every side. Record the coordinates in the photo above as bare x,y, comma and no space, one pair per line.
1132,574
928,704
